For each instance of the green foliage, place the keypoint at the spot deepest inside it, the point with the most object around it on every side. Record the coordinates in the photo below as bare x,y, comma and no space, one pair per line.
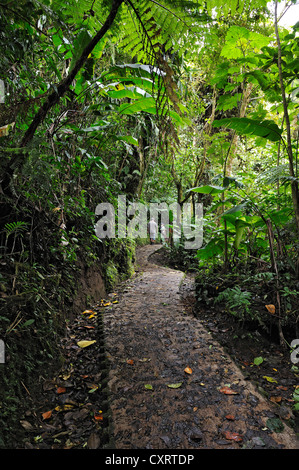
266,129
237,302
147,116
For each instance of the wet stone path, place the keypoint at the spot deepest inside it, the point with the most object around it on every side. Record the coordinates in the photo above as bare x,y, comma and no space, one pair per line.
171,384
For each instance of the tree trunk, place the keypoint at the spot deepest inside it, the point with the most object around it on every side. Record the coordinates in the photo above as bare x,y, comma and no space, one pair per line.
294,183
235,138
55,96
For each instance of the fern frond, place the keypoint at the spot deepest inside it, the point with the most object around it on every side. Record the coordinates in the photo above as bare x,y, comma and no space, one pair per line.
15,227
276,174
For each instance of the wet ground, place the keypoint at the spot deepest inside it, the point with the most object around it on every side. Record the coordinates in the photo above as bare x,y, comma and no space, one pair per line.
172,386
152,375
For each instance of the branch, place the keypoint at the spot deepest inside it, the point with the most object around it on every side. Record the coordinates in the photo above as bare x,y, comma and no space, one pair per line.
63,86
59,91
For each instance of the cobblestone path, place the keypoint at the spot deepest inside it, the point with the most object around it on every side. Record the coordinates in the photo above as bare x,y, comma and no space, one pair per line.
152,345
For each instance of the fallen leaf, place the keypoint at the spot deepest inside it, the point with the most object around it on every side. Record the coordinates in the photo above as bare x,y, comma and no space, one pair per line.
98,416
26,425
270,308
64,408
84,344
61,390
87,311
188,370
269,379
228,391
174,385
275,399
230,417
47,414
281,387
148,387
130,362
258,360
274,424
232,436
93,441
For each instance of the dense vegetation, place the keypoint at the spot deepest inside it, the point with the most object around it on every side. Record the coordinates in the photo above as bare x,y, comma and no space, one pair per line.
160,101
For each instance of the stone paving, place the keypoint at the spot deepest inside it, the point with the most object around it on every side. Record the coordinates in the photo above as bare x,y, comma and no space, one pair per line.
171,384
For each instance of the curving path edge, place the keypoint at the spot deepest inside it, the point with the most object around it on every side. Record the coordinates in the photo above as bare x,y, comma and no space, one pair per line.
150,341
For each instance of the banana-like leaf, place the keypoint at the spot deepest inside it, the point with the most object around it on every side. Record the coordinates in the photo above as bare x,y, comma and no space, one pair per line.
208,189
267,129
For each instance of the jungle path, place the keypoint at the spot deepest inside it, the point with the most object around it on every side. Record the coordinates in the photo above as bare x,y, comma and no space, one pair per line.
152,342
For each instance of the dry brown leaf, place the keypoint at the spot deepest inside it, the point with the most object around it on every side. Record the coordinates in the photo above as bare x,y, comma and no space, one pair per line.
230,417
275,399
232,436
188,370
93,441
228,391
270,308
61,390
98,416
130,362
47,414
26,425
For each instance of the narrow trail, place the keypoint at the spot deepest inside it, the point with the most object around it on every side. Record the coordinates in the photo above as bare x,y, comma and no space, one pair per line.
150,341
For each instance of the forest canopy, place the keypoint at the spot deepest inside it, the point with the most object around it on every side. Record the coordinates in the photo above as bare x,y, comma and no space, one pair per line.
161,101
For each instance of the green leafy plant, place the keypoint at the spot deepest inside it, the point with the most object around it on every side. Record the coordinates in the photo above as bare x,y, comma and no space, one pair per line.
16,229
296,398
238,302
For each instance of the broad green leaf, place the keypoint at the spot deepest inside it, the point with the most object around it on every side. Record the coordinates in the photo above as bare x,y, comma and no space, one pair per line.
28,322
274,424
128,138
238,208
267,129
240,227
175,385
258,360
213,248
145,104
128,92
148,387
80,43
226,102
208,189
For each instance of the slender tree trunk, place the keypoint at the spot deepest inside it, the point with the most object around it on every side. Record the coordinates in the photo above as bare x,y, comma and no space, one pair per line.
235,138
60,90
294,183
